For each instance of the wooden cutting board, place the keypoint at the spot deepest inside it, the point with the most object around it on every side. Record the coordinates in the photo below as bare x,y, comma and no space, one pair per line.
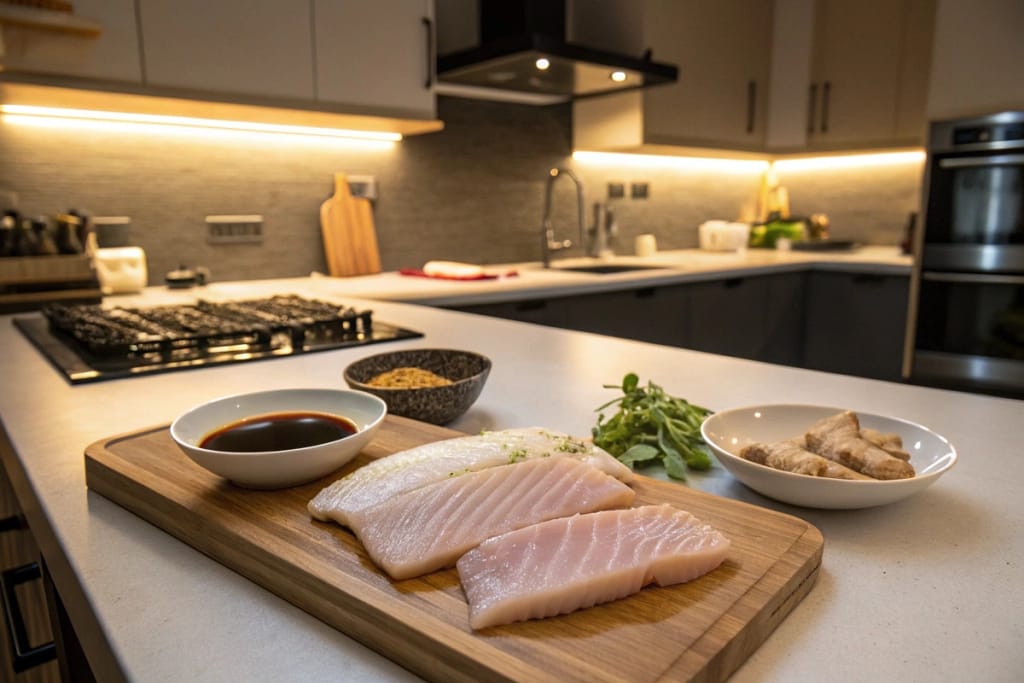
698,631
349,235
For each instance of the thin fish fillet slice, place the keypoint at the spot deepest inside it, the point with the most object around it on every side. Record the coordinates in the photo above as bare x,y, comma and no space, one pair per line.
567,564
432,462
431,527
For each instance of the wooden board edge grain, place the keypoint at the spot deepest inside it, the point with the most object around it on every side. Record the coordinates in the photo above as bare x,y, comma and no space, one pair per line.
763,611
374,625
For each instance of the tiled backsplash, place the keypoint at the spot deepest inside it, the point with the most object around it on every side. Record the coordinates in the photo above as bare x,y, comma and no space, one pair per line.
473,192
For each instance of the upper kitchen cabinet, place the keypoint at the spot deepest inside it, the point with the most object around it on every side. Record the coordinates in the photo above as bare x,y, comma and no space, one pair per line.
365,57
722,50
239,47
977,60
99,40
376,54
869,74
777,76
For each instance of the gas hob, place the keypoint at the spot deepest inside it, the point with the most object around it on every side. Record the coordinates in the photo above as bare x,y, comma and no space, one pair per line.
92,343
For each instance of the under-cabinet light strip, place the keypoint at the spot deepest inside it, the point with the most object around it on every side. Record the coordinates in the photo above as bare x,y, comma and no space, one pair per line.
834,161
850,160
190,122
667,161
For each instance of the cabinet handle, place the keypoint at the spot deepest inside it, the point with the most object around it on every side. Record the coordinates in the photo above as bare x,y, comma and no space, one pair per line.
645,293
751,105
732,283
826,96
428,26
812,106
23,656
12,523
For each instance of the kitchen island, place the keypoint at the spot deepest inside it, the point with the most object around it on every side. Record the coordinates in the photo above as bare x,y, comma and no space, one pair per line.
925,589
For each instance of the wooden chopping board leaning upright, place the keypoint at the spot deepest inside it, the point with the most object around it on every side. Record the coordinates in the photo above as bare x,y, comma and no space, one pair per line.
350,238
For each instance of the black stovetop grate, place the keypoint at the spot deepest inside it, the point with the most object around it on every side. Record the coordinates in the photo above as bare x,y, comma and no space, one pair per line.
90,343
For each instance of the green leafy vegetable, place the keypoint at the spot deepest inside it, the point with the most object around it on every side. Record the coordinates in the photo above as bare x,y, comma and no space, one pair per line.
650,424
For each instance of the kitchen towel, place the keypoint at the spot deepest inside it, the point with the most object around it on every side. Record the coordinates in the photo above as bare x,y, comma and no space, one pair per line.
454,270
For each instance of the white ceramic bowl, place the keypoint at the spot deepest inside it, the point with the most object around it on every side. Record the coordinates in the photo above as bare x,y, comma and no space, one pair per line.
282,468
727,432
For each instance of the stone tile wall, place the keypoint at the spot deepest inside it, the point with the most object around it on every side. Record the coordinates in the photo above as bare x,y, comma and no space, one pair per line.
473,192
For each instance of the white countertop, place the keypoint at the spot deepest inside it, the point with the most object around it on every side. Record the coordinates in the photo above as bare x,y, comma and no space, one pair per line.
664,268
926,589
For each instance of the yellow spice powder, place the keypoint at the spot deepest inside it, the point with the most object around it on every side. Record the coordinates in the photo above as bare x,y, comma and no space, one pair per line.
408,378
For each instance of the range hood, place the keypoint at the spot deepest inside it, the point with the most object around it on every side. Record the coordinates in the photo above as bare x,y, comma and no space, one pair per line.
521,46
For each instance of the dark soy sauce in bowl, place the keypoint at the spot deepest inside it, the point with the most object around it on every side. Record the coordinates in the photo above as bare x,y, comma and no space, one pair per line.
278,432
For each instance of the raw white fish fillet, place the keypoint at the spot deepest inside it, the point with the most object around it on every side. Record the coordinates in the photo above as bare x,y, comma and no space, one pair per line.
562,565
416,467
431,527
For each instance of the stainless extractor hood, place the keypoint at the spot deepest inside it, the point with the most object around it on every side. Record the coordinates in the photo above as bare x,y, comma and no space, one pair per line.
522,47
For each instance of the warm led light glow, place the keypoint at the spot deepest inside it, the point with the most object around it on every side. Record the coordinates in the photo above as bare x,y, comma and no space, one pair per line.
189,133
543,63
665,161
618,76
851,161
194,123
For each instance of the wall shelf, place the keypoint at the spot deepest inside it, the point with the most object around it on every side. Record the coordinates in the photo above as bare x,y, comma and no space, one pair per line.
48,20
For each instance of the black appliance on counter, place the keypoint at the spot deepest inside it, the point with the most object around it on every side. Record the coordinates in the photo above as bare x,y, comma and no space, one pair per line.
91,343
966,324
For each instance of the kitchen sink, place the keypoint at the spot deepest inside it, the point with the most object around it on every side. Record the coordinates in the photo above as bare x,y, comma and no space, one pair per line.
606,268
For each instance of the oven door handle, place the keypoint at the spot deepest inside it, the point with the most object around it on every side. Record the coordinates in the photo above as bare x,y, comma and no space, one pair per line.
973,162
970,278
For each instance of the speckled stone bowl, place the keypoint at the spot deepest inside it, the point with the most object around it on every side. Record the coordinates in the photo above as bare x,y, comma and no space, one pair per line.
437,405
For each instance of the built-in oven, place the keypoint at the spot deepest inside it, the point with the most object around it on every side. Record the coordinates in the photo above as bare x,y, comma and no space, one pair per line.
966,324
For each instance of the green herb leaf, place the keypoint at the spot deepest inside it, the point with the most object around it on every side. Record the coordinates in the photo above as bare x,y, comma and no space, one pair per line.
650,424
675,467
639,453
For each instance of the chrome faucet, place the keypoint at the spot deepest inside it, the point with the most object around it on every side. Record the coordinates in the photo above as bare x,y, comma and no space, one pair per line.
548,242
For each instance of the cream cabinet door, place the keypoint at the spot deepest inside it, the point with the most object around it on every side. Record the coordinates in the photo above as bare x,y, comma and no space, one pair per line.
376,55
114,55
722,49
723,52
869,72
261,48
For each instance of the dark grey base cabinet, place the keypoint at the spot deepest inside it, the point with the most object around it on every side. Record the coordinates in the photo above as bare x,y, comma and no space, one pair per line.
651,314
749,317
854,323
849,323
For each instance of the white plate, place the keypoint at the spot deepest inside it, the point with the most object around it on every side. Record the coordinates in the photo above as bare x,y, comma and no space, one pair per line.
727,432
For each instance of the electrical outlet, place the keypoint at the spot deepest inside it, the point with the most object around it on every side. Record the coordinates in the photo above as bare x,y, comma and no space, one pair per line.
234,229
364,186
616,190
639,190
